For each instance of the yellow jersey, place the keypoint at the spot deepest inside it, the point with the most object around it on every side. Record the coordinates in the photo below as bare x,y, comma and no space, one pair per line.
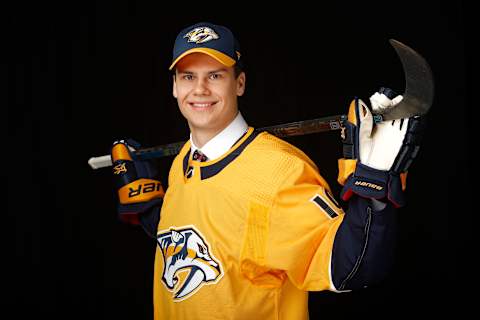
244,236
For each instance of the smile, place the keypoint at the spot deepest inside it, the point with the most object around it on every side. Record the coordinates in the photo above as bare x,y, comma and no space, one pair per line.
202,105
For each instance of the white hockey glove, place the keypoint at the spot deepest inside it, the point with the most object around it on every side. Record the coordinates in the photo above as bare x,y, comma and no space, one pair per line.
377,155
380,142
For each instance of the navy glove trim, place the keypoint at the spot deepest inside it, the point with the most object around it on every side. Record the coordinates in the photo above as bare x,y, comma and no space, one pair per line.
372,183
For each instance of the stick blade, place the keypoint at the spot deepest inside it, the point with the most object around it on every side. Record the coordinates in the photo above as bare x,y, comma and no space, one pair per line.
419,87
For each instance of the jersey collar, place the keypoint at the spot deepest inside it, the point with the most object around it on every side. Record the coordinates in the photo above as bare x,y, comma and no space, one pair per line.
223,141
209,168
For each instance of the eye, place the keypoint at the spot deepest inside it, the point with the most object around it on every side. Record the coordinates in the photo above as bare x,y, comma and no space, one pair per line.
201,249
215,76
187,77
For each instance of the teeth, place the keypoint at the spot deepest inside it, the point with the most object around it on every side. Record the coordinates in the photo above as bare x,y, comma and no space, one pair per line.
201,105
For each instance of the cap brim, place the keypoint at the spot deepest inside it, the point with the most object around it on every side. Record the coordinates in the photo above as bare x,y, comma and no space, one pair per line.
217,55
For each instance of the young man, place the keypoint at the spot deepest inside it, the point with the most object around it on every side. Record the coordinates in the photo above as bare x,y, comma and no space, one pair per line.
248,226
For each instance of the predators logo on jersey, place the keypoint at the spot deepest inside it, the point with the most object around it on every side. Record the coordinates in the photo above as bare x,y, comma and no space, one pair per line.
187,261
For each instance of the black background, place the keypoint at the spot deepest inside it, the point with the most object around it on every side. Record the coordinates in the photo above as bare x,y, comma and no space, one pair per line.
78,76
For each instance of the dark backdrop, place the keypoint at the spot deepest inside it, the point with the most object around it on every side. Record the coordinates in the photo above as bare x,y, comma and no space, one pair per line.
80,75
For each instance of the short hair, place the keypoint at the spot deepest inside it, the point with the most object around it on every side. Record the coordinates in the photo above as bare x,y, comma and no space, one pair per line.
237,70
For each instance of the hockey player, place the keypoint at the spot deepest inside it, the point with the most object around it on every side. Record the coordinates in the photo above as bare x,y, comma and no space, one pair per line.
247,225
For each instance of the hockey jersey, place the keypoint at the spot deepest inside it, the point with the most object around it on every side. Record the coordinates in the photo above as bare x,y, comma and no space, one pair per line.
244,236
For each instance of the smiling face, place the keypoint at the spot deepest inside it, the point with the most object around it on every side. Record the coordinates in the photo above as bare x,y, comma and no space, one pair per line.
206,93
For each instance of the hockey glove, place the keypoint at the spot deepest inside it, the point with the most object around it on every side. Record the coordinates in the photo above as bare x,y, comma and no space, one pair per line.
378,155
140,193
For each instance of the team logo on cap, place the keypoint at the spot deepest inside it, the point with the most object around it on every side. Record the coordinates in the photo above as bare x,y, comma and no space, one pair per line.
201,35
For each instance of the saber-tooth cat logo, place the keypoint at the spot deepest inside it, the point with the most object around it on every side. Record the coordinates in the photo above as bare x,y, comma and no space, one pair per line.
201,35
187,261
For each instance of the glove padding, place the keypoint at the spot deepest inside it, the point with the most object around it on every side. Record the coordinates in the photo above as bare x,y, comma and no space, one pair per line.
377,156
140,193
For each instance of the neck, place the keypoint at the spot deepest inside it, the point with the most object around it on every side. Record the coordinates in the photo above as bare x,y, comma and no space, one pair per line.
201,137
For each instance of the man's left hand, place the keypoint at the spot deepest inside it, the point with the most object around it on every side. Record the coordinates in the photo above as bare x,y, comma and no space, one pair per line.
378,155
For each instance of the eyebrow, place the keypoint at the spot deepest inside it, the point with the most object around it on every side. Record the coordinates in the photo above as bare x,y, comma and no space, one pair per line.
209,72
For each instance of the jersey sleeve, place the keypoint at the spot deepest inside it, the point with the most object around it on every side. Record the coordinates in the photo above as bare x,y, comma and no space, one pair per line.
294,237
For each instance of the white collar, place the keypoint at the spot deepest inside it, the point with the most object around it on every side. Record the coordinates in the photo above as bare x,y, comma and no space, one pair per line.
223,141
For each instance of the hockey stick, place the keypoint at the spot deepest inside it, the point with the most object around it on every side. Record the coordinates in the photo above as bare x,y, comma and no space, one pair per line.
417,100
281,130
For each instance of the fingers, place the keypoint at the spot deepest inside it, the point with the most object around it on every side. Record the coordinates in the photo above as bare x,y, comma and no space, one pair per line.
381,102
120,151
397,100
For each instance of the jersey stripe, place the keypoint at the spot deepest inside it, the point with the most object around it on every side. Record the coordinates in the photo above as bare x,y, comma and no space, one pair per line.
324,206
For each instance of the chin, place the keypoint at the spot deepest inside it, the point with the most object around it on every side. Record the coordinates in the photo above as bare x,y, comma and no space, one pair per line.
201,125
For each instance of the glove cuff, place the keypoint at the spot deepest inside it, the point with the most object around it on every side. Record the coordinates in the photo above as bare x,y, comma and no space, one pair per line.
367,182
141,190
130,213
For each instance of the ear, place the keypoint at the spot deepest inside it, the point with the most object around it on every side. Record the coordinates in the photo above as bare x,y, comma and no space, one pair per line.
174,87
241,79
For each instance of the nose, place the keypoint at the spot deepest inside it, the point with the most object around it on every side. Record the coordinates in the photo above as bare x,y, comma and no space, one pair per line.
201,87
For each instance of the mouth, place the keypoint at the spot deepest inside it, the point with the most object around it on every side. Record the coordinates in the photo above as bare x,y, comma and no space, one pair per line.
201,105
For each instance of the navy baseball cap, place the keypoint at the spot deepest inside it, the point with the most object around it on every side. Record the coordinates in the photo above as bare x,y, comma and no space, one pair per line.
214,40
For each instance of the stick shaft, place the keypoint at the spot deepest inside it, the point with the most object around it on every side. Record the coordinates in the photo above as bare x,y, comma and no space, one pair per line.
298,128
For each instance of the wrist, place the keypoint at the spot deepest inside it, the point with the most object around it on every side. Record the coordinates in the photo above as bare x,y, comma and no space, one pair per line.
374,184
